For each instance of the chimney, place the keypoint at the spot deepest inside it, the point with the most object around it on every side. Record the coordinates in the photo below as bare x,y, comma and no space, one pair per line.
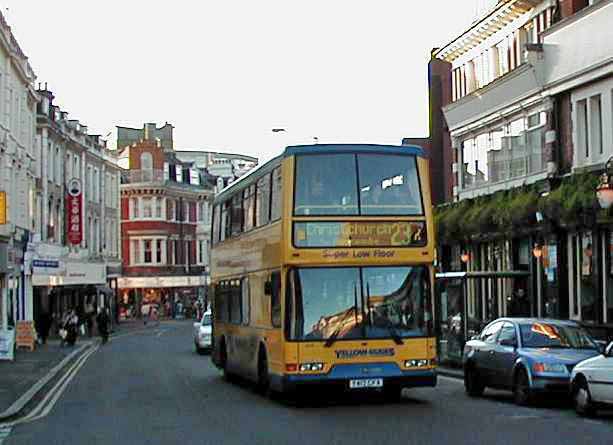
150,131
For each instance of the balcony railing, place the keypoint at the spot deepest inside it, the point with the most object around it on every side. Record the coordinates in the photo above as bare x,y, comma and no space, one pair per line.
138,176
519,156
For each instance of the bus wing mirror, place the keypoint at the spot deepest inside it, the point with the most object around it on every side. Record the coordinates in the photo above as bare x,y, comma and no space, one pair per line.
268,288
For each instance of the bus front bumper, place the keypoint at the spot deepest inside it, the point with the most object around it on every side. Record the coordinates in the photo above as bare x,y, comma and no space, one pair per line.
341,375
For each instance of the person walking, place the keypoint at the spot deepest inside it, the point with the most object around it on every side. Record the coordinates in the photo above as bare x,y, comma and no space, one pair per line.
102,321
71,328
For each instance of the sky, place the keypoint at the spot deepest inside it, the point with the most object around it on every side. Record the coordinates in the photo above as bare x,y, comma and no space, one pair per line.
225,72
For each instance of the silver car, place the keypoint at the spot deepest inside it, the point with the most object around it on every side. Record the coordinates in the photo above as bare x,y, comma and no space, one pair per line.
202,333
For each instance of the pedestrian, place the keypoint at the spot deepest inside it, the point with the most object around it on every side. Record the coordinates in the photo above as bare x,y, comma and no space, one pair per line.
70,327
90,311
145,313
44,326
102,321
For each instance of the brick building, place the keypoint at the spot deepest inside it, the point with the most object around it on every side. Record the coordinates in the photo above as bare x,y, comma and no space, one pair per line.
165,213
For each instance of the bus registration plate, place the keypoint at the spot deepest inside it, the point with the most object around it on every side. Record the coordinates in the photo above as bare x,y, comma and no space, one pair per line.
365,383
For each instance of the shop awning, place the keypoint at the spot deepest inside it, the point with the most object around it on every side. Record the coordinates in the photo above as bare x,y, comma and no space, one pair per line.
155,282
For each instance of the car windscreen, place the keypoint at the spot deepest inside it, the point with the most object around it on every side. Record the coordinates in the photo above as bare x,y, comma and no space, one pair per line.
206,320
552,335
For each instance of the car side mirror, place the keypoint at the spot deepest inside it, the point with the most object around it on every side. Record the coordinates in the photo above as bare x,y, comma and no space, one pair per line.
474,337
609,350
197,325
509,342
268,288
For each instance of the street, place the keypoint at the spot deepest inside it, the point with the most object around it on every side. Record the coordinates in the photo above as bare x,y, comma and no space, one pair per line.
150,387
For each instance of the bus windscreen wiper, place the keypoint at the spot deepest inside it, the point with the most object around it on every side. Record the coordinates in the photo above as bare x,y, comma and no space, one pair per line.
392,330
330,341
394,334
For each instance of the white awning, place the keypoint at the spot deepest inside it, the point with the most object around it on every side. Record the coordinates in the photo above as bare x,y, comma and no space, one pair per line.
153,282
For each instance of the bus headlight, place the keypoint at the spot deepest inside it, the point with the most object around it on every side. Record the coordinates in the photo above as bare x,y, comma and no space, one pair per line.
311,367
421,363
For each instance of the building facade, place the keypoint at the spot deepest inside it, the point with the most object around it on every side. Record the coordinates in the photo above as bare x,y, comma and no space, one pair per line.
529,127
165,227
18,175
227,166
68,272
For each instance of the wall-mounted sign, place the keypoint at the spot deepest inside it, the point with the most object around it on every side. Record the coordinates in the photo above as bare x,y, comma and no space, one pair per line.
2,208
73,212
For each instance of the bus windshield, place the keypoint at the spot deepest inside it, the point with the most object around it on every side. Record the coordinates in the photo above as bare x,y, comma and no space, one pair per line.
358,303
357,184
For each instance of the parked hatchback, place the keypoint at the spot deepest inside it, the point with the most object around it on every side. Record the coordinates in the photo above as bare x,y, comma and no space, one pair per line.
525,355
202,333
592,383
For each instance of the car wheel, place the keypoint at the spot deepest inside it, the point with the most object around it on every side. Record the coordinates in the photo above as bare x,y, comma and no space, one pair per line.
521,388
472,382
199,350
582,399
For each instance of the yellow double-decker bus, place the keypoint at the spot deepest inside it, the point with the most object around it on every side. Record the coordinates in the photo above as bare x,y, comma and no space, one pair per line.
321,267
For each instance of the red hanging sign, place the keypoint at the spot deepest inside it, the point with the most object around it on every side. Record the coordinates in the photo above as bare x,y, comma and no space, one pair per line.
74,215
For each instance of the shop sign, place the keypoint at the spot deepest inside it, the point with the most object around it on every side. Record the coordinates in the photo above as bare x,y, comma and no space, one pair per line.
73,210
25,335
144,282
72,274
2,208
46,267
7,340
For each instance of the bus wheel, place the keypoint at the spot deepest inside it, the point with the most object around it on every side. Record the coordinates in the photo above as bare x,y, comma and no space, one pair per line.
223,358
263,376
392,393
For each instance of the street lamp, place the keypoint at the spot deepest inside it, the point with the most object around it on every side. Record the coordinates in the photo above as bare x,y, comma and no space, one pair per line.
604,190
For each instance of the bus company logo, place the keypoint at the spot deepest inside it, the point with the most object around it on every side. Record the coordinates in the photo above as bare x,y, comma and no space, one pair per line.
354,353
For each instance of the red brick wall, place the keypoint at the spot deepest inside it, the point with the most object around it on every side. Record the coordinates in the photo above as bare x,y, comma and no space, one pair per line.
564,129
570,7
125,207
160,226
146,146
439,81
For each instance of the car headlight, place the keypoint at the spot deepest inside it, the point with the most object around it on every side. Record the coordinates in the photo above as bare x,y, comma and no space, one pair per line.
311,367
421,363
549,367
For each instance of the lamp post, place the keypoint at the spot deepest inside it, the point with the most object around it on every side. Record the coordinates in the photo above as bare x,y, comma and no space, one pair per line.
604,190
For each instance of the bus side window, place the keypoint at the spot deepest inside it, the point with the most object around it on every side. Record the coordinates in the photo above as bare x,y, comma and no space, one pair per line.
275,299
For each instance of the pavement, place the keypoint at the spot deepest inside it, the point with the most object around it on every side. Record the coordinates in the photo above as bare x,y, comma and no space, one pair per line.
150,387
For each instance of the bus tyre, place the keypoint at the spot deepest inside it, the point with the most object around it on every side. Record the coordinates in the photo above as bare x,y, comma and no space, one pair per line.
392,393
223,359
263,385
472,382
